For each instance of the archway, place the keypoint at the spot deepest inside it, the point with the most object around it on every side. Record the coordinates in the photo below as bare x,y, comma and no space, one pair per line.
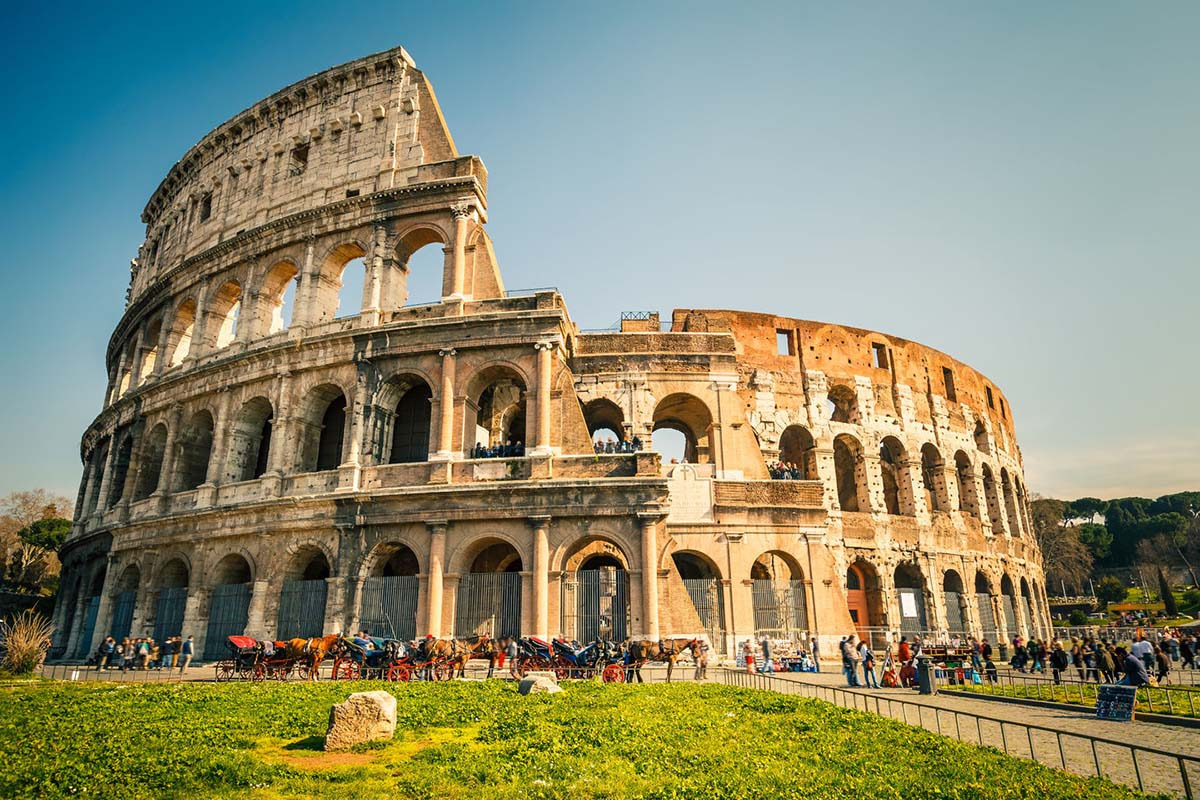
850,470
843,403
952,591
150,356
410,425
605,423
798,450
225,307
229,604
1030,620
702,581
993,502
116,489
689,416
149,472
195,450
1010,504
933,476
305,590
968,499
595,595
125,602
897,490
322,429
278,298
250,441
91,612
500,420
777,592
489,594
179,340
910,592
985,609
1008,602
389,595
172,583
863,598
421,268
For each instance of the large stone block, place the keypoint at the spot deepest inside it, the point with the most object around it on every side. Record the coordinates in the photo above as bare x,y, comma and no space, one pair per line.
363,717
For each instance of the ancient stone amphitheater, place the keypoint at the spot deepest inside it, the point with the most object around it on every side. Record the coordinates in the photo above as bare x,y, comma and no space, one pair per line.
267,463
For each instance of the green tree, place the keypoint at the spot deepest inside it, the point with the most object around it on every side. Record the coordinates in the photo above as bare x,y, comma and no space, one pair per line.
1065,558
1097,539
1110,590
1085,508
1077,617
1164,589
39,543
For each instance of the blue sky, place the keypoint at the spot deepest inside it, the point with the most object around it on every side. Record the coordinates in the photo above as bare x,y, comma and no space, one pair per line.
1017,184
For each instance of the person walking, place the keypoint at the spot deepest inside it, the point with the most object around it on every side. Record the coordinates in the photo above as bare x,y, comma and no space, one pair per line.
1143,650
1163,662
868,665
107,647
816,658
849,657
186,652
1104,660
510,655
768,662
701,661
1059,661
1187,653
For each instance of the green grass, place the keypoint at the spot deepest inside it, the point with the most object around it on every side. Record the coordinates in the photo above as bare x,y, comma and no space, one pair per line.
483,740
1148,698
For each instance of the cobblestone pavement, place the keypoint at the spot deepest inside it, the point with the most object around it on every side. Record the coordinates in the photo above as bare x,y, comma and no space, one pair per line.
1056,738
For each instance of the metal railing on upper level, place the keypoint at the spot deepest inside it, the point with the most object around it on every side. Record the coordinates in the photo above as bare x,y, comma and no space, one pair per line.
1078,753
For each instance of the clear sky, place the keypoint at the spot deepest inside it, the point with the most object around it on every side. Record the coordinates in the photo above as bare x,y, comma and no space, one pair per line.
1017,184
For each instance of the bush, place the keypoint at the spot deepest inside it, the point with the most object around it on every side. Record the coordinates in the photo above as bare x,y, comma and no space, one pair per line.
1078,617
1191,600
1110,590
24,640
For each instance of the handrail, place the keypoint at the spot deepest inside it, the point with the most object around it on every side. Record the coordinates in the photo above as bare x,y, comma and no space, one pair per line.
851,699
1144,697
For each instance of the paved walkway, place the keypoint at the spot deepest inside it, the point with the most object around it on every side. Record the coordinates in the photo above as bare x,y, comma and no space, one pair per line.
1015,729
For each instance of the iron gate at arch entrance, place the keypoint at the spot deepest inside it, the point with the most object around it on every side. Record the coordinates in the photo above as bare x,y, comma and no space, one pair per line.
227,614
488,603
389,606
595,604
779,609
302,609
709,602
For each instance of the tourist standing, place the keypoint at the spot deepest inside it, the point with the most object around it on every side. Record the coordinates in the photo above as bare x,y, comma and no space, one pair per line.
1144,651
748,655
816,659
1059,661
849,659
868,665
768,662
510,653
186,652
702,660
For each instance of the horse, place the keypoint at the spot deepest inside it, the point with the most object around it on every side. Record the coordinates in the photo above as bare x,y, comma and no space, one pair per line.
482,646
432,651
311,652
642,650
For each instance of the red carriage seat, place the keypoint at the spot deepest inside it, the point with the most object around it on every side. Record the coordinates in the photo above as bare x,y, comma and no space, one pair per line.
243,642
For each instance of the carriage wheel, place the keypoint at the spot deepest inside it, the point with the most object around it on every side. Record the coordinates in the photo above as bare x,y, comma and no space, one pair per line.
302,671
257,673
443,671
561,672
224,671
346,670
399,672
613,673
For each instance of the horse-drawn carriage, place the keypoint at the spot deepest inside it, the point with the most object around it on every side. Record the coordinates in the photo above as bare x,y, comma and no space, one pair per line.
600,657
250,659
358,659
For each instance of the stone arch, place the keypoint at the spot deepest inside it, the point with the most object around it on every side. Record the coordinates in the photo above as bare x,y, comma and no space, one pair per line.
778,596
151,355
97,461
864,596
173,573
981,437
489,600
391,558
1010,503
952,581
933,478
328,283
116,489
250,441
590,550
321,428
983,584
964,472
130,579
893,467
690,416
179,339
193,451
911,592
984,607
233,568
305,590
993,501
418,237
954,595
776,565
496,400
603,414
224,309
464,556
403,416
843,403
149,472
798,449
309,561
851,474
269,314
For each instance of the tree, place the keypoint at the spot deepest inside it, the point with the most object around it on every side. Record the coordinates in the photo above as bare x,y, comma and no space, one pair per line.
1085,508
1097,539
18,511
1065,558
1168,599
39,545
1110,590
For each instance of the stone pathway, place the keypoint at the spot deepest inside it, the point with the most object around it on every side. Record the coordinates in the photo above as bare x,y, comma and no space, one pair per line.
1007,727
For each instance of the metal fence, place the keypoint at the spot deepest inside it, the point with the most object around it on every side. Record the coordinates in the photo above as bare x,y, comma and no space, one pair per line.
83,674
83,647
302,609
987,618
227,615
1147,768
955,623
389,606
780,611
709,603
168,620
488,603
1161,699
122,616
595,603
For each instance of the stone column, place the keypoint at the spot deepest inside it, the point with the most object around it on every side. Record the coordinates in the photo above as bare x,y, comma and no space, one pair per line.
115,394
649,522
135,368
462,216
106,480
280,429
194,619
135,465
304,301
167,474
541,576
446,407
164,337
256,623
199,346
437,567
872,476
207,493
542,394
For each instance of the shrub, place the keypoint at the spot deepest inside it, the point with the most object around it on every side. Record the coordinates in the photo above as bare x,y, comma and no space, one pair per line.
1078,617
1110,590
24,640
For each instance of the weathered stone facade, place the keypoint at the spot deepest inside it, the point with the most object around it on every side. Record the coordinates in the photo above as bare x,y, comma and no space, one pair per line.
253,475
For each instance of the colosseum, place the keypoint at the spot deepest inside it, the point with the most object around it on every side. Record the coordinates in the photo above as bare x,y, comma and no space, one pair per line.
272,459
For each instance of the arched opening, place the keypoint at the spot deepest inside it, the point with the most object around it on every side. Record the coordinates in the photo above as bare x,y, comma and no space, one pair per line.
897,492
277,302
91,612
489,595
410,425
499,403
321,429
952,590
179,340
389,595
702,581
116,489
124,602
864,598
340,286
993,501
1023,508
351,286
98,460
777,590
798,451
968,500
1010,504
910,591
421,257
595,595
150,469
305,590
981,438
688,416
843,403
933,477
172,584
229,604
1029,620
850,469
150,356
250,441
1008,601
226,306
194,451
985,609
606,424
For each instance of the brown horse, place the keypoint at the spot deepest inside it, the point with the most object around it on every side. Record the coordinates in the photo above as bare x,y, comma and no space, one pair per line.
440,652
481,646
309,653
663,650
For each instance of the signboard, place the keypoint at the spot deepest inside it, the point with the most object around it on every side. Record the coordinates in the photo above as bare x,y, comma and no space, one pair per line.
908,604
1115,702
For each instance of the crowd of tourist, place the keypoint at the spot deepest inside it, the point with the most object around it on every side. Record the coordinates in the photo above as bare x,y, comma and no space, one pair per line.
1102,661
784,471
144,653
611,446
510,449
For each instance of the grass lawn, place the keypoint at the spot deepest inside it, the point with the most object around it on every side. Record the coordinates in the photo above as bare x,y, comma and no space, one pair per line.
482,740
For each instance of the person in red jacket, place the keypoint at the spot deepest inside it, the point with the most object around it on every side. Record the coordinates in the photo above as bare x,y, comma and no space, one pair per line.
904,652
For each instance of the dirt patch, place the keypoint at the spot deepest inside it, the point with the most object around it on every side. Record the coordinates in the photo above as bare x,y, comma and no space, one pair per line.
309,753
